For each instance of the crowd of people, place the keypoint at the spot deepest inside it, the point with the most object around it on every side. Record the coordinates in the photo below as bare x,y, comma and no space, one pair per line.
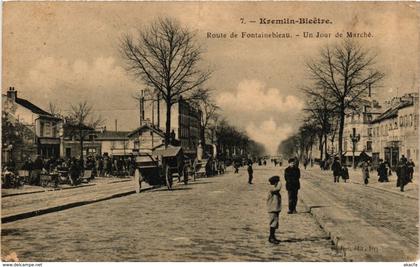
95,165
404,171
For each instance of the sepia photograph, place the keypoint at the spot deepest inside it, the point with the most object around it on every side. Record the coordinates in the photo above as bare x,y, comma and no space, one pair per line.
204,131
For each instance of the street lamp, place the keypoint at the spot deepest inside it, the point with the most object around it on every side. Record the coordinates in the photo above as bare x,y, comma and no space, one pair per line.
354,139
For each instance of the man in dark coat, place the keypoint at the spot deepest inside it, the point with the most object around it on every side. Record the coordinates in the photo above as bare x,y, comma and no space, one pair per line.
336,168
410,165
292,175
37,167
250,173
402,173
382,172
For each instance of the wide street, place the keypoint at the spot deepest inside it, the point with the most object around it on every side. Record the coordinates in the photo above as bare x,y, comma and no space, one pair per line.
223,218
213,219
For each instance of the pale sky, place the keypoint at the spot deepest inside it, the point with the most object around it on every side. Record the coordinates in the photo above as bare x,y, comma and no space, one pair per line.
68,52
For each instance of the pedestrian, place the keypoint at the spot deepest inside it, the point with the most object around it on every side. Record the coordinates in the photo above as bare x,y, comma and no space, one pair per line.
402,173
292,176
28,166
305,163
410,165
274,207
37,169
365,172
382,172
345,173
336,168
250,173
236,166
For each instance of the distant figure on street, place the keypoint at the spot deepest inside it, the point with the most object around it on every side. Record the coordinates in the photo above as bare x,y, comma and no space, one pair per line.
305,163
250,173
365,172
292,176
410,165
236,166
274,207
336,168
402,173
36,170
345,173
382,172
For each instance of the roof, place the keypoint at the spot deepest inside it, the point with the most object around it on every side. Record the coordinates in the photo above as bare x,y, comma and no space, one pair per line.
112,135
32,107
146,127
170,151
392,112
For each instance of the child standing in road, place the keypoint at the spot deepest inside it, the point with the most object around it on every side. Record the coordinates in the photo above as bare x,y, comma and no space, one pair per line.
274,207
250,173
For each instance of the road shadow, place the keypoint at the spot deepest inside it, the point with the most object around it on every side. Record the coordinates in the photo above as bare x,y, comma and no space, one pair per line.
201,182
173,189
307,239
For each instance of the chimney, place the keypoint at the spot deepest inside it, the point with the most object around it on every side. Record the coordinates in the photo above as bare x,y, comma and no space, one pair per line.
12,94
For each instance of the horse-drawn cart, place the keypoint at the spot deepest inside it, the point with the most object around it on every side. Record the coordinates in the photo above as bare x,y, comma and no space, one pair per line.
160,166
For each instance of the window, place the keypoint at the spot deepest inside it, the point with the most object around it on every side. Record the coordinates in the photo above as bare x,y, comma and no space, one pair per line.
47,129
54,129
370,132
41,130
411,120
369,146
401,122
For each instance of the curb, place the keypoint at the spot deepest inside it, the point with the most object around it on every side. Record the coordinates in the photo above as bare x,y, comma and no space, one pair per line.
333,237
48,190
29,214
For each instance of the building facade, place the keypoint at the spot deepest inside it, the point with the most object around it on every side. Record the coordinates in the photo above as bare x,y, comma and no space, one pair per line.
185,121
146,138
357,125
115,142
45,126
395,132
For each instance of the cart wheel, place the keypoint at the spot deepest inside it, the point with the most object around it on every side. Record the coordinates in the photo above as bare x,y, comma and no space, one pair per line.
168,176
137,180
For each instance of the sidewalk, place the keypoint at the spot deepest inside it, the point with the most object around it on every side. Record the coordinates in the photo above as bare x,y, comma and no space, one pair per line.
358,239
34,202
411,190
31,189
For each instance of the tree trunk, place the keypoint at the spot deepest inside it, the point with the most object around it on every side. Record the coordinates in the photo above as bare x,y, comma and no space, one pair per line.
340,132
81,153
321,151
202,135
168,122
326,145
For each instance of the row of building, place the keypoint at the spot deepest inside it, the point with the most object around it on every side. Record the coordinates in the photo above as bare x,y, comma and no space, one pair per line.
381,132
41,133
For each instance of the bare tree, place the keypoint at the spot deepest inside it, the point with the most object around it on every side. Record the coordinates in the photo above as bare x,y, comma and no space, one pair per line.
54,110
320,113
344,74
81,123
205,103
165,57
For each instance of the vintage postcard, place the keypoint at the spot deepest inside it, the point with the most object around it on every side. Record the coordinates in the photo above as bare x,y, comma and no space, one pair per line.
210,131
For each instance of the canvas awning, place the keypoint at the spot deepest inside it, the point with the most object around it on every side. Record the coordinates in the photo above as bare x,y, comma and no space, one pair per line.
170,151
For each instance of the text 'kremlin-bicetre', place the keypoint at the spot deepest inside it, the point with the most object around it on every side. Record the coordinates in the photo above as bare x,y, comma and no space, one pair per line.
314,20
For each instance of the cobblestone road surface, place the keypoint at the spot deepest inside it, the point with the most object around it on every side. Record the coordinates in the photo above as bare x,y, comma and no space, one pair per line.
377,207
214,219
